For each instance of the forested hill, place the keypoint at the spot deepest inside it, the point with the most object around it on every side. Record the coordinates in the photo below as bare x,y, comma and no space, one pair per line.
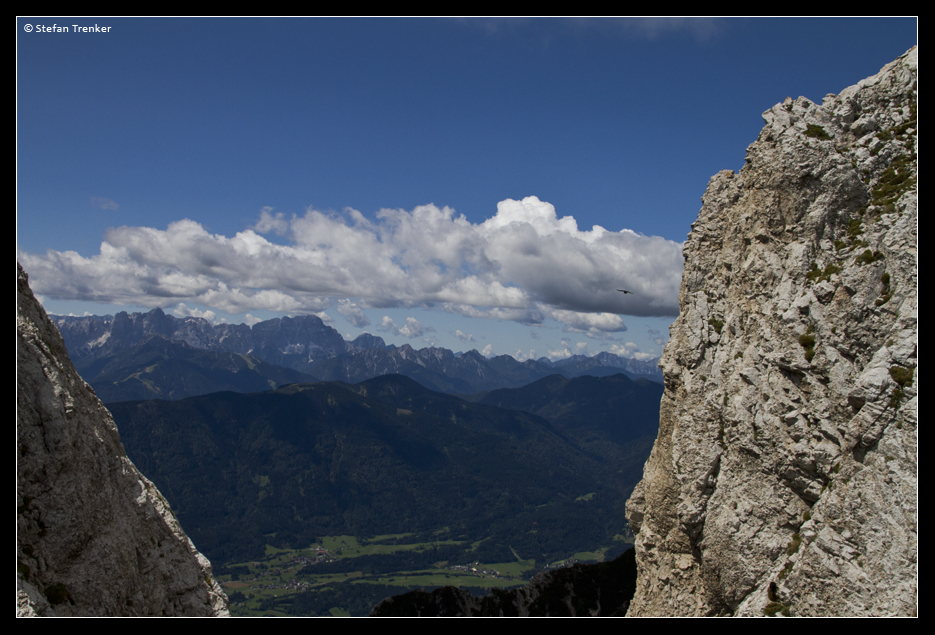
383,456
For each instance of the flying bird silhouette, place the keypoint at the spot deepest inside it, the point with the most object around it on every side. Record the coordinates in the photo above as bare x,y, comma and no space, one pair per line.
624,291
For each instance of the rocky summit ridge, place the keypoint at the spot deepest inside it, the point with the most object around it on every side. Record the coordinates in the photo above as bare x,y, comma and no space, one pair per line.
784,478
93,535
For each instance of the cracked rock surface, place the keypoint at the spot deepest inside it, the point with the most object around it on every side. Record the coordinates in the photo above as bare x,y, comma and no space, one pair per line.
93,535
784,478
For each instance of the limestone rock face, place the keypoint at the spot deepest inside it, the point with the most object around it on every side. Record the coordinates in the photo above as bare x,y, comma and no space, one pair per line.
784,478
94,536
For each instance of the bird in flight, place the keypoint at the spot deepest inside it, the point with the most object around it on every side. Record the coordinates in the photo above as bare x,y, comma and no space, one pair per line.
624,291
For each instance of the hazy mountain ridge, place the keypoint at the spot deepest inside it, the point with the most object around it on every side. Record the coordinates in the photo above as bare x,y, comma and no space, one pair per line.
118,356
441,370
160,368
586,404
291,342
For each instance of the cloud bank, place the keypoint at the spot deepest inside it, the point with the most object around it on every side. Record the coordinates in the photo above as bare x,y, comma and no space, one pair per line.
524,264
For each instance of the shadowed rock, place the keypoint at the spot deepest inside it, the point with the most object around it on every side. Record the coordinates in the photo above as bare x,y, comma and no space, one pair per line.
603,589
94,536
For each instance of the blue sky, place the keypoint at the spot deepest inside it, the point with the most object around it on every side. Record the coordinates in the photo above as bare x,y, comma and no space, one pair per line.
466,183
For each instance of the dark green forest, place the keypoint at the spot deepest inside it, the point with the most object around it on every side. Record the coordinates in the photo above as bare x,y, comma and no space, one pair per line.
477,482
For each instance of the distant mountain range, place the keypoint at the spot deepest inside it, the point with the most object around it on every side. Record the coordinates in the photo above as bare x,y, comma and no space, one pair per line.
291,342
157,356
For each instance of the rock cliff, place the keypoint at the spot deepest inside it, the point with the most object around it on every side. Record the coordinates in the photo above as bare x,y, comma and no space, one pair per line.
784,478
94,536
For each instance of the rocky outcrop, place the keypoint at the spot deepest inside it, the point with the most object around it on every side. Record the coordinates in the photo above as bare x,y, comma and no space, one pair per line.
583,590
784,478
94,536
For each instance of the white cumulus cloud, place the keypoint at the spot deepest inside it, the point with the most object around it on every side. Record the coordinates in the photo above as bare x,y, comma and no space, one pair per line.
524,264
183,311
353,313
626,350
464,337
412,329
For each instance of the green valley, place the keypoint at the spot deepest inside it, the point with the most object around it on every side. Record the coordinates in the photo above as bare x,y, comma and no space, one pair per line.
346,575
260,480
